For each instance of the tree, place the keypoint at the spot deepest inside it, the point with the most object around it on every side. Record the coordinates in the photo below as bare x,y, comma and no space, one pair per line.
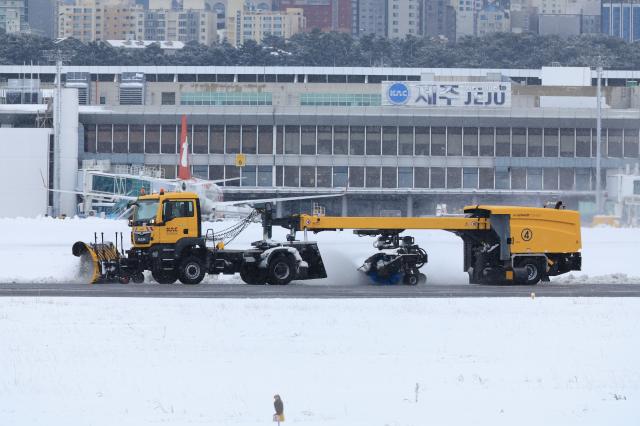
316,48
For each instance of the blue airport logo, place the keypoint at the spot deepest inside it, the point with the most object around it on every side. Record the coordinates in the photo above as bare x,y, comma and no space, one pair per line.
398,93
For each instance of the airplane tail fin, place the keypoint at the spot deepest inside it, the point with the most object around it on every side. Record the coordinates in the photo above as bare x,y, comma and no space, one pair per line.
184,170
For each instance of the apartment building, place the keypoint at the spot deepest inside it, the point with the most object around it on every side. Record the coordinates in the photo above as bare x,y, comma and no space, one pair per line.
13,16
244,24
181,25
91,20
403,18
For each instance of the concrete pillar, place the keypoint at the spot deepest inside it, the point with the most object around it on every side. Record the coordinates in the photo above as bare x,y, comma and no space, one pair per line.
409,205
345,206
68,150
278,209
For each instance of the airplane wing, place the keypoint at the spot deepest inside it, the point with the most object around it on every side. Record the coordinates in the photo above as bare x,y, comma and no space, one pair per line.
266,200
218,181
205,182
223,180
94,194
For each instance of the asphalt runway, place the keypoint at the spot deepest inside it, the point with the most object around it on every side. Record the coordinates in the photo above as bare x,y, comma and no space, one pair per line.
302,291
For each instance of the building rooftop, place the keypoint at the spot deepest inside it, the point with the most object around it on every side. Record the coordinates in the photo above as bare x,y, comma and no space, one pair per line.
568,76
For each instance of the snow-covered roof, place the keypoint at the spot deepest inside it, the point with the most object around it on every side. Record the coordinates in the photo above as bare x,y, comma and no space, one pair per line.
141,44
22,108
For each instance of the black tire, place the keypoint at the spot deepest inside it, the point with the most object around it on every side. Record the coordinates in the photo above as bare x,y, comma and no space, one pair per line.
534,271
411,279
253,276
164,277
191,270
472,276
138,278
281,270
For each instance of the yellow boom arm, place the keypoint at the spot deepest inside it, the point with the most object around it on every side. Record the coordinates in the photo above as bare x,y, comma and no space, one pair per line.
319,223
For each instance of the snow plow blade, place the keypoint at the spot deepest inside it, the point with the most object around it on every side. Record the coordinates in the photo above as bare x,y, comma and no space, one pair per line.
95,261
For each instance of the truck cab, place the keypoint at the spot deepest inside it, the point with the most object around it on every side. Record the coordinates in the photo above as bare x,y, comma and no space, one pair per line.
166,229
167,239
165,218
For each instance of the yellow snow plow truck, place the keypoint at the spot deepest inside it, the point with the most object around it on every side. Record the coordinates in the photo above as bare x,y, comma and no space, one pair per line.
502,245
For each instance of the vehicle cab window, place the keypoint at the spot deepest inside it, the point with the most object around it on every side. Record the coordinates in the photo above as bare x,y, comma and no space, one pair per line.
177,208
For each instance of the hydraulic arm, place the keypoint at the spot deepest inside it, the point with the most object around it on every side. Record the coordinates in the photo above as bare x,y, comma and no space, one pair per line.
323,223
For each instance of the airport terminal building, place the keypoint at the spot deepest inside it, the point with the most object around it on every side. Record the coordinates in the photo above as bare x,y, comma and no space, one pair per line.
399,140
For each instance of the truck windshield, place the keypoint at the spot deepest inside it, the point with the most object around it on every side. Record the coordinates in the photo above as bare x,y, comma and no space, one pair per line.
145,211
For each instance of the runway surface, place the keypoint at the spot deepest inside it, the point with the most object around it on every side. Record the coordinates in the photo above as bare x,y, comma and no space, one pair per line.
303,291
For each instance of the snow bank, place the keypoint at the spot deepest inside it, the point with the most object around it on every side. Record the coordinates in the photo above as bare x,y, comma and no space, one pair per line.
103,361
39,250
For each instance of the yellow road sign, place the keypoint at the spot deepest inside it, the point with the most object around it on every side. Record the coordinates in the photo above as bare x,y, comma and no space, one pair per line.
241,160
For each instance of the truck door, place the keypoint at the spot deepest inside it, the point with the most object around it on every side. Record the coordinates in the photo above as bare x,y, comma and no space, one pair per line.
500,223
180,221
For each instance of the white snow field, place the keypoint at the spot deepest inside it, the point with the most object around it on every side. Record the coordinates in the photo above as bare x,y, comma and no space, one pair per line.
39,250
366,362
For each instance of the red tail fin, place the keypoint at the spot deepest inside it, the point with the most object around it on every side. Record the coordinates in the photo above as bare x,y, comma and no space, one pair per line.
184,171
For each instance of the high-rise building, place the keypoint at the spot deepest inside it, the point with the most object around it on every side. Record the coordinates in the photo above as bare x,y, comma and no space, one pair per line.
181,25
562,25
492,19
14,16
371,17
480,17
621,19
403,18
244,24
354,18
79,20
316,12
325,15
123,21
523,16
567,17
466,16
341,13
91,20
567,7
42,18
439,19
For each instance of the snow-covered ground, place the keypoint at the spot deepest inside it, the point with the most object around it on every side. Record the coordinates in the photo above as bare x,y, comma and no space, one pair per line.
39,250
366,362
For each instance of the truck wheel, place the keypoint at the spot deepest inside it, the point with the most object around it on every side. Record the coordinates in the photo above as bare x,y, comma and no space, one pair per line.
532,267
281,270
164,277
411,279
191,271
